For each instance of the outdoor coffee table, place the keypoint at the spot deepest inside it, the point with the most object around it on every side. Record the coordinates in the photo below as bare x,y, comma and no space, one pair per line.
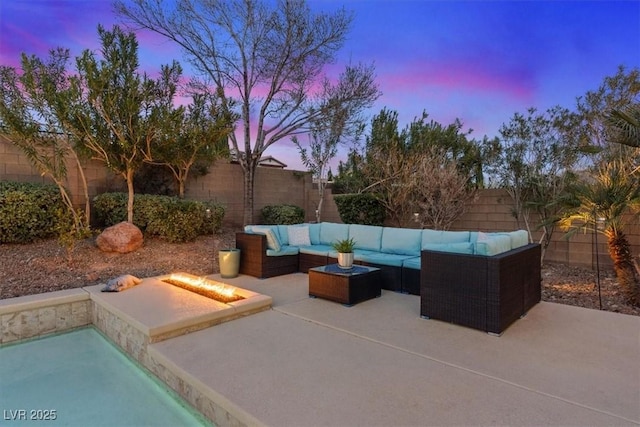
346,286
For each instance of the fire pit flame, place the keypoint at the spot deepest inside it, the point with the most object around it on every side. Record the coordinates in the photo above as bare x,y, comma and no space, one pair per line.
209,288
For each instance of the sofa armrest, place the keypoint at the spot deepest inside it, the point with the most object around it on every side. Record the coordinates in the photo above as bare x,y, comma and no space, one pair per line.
255,262
253,250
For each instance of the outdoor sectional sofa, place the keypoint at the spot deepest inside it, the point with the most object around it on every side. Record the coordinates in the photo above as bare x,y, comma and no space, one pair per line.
481,280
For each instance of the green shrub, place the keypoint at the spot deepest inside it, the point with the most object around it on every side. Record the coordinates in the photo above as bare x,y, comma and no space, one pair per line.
171,218
213,218
28,211
362,208
109,208
282,214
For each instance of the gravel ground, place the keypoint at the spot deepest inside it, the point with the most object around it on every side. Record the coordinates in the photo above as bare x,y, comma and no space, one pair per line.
43,267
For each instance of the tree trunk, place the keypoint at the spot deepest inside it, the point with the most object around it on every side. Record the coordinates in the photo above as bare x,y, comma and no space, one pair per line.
620,252
321,195
129,178
249,175
85,188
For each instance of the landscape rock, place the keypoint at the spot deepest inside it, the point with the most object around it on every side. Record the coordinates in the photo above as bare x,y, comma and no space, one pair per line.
122,238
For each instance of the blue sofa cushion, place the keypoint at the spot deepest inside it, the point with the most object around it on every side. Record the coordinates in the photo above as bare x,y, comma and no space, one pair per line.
413,263
401,241
322,250
518,238
458,248
441,236
492,244
284,250
283,234
314,233
358,254
331,232
394,260
366,237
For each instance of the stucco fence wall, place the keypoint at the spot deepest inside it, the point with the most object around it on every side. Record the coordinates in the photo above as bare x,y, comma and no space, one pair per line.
224,184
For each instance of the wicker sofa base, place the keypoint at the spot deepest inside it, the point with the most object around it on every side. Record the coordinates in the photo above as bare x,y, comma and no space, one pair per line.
308,261
410,281
482,292
391,276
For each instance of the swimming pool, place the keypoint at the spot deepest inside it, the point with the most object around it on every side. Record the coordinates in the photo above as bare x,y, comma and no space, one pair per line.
80,379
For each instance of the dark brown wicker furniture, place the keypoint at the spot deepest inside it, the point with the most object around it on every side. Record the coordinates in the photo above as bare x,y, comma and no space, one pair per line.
255,262
308,261
347,287
482,292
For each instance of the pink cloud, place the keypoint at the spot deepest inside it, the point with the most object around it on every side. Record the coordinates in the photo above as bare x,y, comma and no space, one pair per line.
473,77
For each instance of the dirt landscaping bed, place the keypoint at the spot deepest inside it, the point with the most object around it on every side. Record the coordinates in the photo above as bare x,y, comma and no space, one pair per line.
43,267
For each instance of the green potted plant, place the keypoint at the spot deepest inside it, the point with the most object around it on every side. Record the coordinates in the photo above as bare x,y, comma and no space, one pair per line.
345,252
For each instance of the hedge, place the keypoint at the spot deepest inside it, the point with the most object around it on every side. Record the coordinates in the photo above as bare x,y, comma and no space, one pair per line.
28,211
177,220
361,208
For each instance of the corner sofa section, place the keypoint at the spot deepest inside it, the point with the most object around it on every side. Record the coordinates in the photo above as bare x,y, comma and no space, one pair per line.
488,293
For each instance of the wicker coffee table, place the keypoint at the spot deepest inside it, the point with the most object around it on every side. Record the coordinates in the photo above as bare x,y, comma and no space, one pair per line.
347,287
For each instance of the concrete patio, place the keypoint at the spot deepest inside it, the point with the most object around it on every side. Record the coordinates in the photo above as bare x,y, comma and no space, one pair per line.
311,362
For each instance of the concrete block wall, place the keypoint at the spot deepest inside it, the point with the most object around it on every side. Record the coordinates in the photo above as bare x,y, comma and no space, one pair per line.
15,166
492,212
224,184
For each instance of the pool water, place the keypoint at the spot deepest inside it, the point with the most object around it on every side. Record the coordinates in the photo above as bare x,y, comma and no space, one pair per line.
80,379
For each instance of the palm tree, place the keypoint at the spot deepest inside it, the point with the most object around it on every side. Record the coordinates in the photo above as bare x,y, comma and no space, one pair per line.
604,202
623,126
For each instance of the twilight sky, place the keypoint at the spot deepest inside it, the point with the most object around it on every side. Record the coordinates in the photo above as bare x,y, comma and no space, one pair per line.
479,61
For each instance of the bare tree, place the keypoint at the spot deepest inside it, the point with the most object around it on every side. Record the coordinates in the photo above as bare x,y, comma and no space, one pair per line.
268,56
417,170
340,125
392,173
322,148
441,194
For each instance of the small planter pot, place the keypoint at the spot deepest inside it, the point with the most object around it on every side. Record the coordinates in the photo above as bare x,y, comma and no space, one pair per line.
345,260
229,262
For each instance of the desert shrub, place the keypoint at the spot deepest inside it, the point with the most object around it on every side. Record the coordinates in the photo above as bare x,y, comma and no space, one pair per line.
282,214
361,208
213,218
110,208
28,211
174,219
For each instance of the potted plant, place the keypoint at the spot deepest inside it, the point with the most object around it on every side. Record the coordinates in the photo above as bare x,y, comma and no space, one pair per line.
345,252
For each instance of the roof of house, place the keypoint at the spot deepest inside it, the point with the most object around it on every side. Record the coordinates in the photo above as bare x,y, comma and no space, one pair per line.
265,161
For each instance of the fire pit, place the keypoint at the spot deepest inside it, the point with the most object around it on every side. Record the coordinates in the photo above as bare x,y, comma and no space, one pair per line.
175,304
206,287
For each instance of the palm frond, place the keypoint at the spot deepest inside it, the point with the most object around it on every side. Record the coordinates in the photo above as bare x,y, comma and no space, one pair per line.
624,126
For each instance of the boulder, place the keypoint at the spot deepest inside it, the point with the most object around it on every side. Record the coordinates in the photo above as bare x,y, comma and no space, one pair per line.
122,238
